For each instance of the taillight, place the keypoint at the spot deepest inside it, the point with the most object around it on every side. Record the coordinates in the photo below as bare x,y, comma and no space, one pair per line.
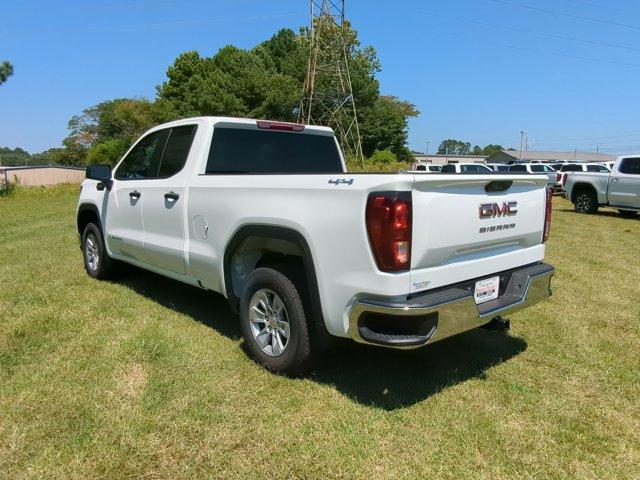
388,219
558,177
564,179
547,215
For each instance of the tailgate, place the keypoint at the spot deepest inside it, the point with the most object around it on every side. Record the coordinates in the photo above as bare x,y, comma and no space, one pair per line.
462,231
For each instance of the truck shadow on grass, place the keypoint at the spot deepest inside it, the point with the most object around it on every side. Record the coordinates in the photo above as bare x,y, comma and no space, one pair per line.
378,377
391,379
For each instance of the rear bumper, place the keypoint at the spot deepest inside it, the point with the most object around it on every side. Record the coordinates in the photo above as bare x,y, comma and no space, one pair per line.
432,316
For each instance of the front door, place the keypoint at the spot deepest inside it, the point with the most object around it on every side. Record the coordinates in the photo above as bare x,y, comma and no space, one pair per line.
624,184
124,227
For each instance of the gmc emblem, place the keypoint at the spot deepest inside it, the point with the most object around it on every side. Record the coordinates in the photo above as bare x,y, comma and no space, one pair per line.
491,210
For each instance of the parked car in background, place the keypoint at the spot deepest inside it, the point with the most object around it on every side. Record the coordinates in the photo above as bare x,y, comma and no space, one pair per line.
538,168
580,167
618,189
466,168
585,167
266,214
498,167
423,167
556,166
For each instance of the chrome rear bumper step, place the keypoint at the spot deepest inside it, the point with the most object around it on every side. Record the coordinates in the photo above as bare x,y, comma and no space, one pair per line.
433,316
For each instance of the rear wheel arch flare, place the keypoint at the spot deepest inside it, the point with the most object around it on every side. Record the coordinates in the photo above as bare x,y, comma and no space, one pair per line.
581,187
274,240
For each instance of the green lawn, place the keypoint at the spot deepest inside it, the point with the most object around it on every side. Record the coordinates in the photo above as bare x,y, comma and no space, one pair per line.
145,377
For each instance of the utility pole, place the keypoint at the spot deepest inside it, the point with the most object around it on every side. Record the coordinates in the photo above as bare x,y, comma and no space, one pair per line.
426,152
522,135
327,97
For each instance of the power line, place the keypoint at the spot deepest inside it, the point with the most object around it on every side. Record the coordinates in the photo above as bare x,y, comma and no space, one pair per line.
603,7
556,54
569,15
566,139
532,32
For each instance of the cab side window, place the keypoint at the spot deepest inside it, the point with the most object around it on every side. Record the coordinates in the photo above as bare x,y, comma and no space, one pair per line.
630,166
177,150
142,162
517,168
472,168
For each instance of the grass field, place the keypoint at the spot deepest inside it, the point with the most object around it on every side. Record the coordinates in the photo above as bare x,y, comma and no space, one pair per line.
145,377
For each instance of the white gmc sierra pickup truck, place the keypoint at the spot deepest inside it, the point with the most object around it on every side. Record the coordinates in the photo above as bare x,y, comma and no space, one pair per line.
619,188
266,214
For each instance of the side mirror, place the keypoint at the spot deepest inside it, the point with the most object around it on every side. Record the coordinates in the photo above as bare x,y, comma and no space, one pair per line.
102,173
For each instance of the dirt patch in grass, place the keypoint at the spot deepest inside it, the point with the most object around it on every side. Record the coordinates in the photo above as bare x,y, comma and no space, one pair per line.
132,380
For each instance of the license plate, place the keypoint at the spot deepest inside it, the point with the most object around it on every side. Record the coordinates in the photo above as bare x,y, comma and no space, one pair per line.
487,289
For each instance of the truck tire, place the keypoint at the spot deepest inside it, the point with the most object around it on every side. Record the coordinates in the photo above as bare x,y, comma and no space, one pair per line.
97,262
274,324
627,213
586,201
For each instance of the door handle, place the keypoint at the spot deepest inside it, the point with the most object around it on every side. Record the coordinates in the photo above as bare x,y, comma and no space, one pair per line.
135,194
171,196
615,179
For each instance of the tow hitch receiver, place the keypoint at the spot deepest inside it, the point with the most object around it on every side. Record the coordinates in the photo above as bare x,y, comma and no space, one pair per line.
498,324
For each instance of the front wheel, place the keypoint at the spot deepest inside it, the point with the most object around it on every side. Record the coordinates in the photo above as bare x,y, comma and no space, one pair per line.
96,261
627,213
586,201
274,324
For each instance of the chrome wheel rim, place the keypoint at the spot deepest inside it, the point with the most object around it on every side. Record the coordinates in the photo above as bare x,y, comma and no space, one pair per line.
583,202
91,252
269,322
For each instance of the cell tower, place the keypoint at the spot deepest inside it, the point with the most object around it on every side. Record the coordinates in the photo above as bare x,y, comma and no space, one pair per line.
327,98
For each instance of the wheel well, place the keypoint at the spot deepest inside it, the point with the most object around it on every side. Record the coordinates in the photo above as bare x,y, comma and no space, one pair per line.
279,248
582,187
87,214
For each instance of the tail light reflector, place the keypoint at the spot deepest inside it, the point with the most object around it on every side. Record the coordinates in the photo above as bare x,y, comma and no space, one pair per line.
547,215
389,219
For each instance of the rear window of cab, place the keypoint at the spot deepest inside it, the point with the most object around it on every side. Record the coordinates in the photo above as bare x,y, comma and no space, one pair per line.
251,151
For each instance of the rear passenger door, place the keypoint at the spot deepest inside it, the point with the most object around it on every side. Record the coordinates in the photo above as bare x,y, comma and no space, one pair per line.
164,203
624,184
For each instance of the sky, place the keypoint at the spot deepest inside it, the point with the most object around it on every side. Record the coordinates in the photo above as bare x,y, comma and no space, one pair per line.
565,71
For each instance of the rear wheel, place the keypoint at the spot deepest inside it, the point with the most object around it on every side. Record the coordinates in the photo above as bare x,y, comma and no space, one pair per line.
586,201
96,261
627,213
274,324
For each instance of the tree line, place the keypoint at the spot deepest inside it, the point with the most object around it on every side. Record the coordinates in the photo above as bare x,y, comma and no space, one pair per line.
459,147
263,82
